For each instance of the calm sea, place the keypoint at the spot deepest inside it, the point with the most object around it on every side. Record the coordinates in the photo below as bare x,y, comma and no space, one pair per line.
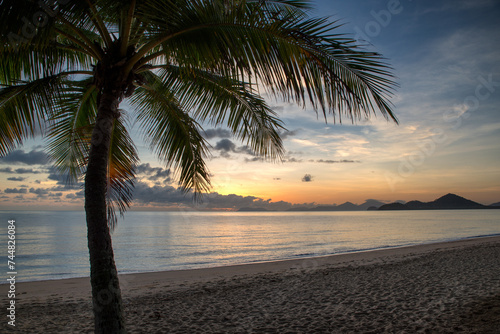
53,244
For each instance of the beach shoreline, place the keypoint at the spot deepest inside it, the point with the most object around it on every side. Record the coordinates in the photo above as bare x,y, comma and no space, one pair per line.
342,293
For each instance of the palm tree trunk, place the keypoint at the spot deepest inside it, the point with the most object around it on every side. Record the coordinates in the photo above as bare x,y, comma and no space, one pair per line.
106,295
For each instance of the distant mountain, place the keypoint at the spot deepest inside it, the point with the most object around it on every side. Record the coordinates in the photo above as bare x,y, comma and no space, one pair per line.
370,203
252,209
394,206
347,206
447,202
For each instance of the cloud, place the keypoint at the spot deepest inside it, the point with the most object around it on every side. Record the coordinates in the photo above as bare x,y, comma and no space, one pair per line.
169,196
337,161
292,160
245,149
217,133
154,173
287,159
307,178
20,179
143,193
9,170
26,171
62,179
15,191
254,159
285,134
77,195
33,157
40,192
225,146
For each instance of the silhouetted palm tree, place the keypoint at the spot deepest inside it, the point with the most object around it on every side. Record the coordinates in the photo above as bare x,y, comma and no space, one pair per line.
67,65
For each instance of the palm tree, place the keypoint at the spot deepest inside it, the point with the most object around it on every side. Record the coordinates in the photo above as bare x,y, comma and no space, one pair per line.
66,66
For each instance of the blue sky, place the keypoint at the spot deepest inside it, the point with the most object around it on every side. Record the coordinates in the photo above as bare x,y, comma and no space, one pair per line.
445,56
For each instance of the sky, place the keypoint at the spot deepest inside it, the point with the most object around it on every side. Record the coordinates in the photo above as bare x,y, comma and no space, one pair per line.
445,56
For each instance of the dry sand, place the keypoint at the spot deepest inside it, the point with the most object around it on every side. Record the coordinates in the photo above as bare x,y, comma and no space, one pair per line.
449,287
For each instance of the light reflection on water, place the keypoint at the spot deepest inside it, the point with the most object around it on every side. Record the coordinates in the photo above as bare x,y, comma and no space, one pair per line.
54,244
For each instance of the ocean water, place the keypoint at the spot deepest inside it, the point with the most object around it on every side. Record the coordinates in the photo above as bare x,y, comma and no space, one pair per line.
53,244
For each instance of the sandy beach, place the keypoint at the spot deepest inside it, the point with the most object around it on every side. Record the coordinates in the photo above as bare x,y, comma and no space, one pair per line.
451,287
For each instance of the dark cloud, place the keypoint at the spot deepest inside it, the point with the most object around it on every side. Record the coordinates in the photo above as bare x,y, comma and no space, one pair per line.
307,178
9,170
26,171
44,192
231,201
15,191
33,157
277,179
169,196
215,200
254,159
245,149
145,194
285,134
78,195
40,192
154,173
19,179
217,133
66,187
225,146
62,179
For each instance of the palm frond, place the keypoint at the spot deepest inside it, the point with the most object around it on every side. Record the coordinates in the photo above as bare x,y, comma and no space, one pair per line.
70,128
122,162
294,57
174,135
25,106
217,100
